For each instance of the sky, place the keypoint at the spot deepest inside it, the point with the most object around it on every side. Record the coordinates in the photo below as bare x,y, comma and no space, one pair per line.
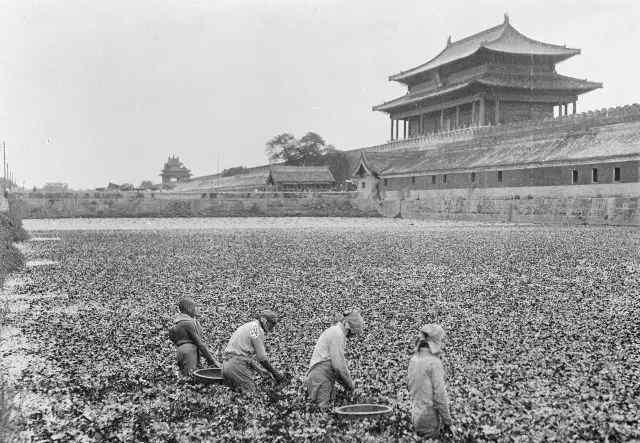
93,92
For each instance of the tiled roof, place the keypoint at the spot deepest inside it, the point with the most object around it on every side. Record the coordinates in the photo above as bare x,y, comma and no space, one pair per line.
383,162
258,177
417,97
550,83
546,82
616,140
502,38
301,174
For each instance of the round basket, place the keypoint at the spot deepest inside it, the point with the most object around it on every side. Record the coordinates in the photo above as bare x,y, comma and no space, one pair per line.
208,376
362,410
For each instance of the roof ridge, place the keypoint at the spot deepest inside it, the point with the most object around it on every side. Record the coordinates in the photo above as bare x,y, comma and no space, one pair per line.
454,43
529,39
486,31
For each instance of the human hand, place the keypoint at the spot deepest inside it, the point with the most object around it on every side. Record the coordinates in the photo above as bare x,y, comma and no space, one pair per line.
279,377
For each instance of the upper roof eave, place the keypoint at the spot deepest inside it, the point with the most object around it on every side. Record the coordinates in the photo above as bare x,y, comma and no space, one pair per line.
502,38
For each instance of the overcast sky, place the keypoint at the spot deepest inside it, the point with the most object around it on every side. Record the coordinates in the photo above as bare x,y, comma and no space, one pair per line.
99,91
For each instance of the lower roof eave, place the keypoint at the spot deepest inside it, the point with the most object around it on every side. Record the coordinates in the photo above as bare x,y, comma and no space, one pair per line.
511,166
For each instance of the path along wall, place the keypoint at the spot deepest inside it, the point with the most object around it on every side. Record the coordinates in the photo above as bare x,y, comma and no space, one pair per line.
614,204
143,204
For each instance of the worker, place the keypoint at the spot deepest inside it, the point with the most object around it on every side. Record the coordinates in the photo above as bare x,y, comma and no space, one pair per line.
426,382
245,354
328,363
186,334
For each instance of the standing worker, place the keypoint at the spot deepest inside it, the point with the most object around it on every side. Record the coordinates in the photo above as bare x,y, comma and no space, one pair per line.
185,334
328,364
239,365
427,389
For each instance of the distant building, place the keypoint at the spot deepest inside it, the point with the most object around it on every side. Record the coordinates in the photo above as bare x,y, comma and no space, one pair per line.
55,187
492,77
480,131
265,178
174,171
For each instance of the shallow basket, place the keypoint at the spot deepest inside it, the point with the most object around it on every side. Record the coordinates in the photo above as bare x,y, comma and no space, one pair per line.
208,376
362,410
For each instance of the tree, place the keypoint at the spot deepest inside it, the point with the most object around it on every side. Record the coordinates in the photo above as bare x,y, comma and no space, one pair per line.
310,150
283,148
338,163
311,147
233,171
146,184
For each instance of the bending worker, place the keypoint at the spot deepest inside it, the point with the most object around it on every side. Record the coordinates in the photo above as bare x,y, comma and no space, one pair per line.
185,334
426,383
247,342
328,364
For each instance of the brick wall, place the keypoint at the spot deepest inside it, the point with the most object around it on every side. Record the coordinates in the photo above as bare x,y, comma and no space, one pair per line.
547,176
612,204
71,205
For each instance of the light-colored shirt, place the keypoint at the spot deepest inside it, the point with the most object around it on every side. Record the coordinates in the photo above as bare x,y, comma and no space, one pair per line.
247,341
330,347
427,388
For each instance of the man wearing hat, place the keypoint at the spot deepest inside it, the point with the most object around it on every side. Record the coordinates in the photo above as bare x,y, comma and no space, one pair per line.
328,364
427,388
186,334
245,353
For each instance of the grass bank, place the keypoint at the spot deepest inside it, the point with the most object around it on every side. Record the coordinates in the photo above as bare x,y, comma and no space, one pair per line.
11,260
11,231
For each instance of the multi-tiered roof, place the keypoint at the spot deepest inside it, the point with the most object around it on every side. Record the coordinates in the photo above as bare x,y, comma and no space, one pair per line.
498,64
174,170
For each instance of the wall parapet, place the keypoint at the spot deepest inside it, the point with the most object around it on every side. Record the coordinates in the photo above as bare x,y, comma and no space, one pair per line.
196,204
584,120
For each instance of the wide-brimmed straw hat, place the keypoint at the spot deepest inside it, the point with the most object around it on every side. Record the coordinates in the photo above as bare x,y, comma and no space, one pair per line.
435,336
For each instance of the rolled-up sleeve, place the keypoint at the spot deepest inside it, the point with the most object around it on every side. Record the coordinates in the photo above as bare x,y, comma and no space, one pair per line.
440,396
259,348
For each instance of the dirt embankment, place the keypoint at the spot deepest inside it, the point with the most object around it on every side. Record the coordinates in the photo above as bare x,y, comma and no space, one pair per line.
11,231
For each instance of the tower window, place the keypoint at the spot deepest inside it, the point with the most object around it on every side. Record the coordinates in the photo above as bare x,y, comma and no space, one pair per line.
473,177
413,180
364,185
616,174
574,176
444,178
499,176
386,182
594,175
433,179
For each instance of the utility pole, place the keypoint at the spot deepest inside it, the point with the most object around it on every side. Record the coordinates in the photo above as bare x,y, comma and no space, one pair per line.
218,168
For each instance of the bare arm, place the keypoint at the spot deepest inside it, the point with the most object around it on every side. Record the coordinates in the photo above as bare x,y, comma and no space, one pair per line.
339,364
261,356
201,346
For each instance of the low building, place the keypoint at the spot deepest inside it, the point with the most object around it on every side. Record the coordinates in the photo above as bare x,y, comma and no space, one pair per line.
265,178
55,187
300,178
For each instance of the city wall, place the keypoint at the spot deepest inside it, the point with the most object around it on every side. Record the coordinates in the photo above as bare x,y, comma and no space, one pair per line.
166,204
614,204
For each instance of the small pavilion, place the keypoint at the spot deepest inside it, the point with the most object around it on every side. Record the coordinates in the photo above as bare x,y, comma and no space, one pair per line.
174,171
